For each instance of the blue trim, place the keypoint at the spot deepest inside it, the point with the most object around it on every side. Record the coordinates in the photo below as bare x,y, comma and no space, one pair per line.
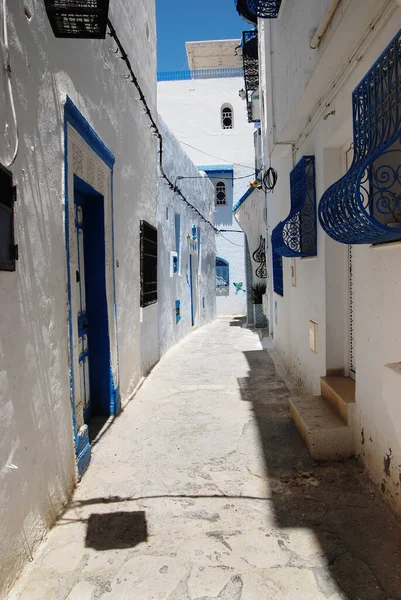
243,198
200,74
218,168
73,116
78,121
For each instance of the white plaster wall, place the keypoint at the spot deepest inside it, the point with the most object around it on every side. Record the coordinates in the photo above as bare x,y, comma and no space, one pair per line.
36,427
200,192
192,110
321,291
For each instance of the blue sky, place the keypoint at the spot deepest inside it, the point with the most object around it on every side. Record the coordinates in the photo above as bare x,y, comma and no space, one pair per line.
180,21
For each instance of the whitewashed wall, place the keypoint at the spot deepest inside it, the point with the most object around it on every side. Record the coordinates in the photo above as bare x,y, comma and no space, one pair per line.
322,283
200,192
36,420
192,110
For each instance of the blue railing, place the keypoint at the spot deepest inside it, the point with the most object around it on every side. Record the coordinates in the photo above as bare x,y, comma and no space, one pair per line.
296,235
364,206
200,74
250,10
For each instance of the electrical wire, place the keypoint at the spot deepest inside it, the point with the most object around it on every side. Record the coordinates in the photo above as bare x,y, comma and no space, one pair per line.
7,69
214,156
124,56
233,243
269,180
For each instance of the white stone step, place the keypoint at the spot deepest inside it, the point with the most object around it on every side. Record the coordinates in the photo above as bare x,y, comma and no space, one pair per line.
326,435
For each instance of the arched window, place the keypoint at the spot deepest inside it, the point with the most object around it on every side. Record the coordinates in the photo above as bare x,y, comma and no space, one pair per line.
227,117
220,193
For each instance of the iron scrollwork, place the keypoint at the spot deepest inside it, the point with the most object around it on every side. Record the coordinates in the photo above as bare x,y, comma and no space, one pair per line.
259,256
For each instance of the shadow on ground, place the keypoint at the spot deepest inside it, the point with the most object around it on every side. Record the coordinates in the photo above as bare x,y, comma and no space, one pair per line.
359,535
116,530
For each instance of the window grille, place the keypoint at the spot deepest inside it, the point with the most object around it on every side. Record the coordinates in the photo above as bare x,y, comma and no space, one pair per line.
78,18
296,235
148,255
8,250
222,272
278,283
250,57
364,206
227,120
221,196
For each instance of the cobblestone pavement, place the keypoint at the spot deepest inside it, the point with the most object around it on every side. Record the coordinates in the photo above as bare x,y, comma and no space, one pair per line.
202,489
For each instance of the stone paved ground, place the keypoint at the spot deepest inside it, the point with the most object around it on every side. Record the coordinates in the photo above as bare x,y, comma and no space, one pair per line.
202,489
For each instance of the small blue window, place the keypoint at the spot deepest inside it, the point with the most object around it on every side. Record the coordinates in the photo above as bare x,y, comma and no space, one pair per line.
222,272
177,311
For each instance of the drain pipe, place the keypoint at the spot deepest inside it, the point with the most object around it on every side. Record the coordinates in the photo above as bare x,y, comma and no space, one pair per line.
325,22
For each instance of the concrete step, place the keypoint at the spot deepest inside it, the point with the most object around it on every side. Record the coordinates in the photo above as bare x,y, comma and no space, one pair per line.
325,434
340,392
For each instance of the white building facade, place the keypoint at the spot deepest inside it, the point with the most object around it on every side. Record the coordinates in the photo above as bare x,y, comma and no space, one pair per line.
204,110
331,125
80,231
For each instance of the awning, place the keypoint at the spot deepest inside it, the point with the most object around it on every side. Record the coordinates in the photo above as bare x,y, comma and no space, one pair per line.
296,235
364,206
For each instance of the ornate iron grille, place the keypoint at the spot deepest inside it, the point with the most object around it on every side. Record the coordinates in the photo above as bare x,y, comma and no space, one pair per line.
250,57
148,254
222,272
264,9
259,256
278,283
78,18
364,206
296,236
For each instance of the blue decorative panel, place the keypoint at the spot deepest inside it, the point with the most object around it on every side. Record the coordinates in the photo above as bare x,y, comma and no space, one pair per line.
278,284
177,311
364,206
200,74
222,272
250,10
296,235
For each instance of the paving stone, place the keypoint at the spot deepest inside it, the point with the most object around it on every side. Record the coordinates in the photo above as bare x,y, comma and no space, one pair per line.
202,489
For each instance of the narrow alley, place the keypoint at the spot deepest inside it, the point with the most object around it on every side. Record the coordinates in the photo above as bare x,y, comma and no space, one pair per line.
202,488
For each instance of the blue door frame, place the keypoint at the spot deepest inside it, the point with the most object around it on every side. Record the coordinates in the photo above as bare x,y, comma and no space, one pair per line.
107,402
192,290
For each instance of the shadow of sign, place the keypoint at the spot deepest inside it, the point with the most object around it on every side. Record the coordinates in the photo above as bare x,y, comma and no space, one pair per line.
116,530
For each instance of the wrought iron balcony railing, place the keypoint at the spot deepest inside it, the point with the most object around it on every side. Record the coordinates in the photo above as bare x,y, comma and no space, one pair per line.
250,55
364,206
250,10
78,18
296,235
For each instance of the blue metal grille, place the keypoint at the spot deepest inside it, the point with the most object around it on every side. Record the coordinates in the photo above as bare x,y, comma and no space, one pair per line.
296,235
222,272
364,206
200,74
250,57
264,9
278,284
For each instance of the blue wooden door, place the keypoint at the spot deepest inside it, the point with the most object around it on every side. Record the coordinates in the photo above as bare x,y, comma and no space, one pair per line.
83,323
